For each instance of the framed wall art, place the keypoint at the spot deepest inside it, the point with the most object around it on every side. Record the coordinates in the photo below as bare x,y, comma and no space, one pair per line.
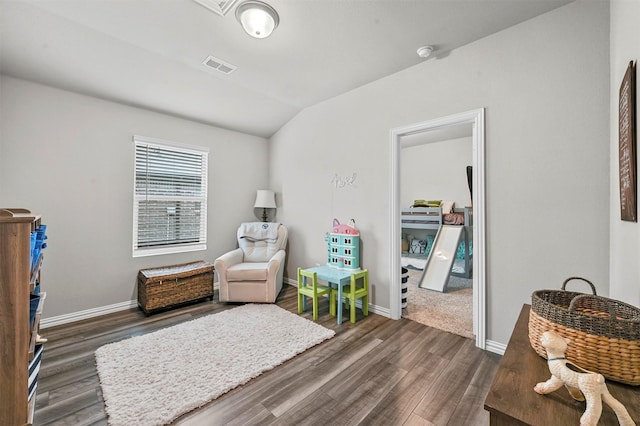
627,145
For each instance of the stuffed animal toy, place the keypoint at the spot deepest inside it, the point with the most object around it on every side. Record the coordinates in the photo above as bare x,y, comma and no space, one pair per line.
581,384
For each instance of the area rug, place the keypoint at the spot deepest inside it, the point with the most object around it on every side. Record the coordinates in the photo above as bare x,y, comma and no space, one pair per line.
154,378
451,311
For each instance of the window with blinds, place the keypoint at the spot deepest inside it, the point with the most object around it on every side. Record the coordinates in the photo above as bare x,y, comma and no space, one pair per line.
169,198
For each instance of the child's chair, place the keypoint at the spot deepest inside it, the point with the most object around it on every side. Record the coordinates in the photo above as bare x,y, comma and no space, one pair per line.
311,289
354,291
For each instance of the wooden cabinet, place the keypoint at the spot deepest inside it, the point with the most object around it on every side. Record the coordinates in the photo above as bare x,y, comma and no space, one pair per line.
17,336
512,400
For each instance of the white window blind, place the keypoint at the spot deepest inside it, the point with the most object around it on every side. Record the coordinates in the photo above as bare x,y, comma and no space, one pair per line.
170,198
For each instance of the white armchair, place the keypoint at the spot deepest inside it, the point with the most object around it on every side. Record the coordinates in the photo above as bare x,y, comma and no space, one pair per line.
254,271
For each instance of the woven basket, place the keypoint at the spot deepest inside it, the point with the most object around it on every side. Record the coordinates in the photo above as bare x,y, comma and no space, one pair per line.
604,333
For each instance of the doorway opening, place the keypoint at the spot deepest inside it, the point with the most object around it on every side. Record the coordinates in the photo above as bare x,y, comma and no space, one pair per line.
437,228
426,130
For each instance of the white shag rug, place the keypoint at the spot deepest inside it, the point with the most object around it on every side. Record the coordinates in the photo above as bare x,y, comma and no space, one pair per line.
154,378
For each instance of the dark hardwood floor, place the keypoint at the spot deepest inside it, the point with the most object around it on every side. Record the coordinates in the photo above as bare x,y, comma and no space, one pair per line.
374,372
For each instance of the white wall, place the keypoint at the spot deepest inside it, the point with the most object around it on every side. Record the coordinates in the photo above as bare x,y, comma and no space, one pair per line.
544,88
436,171
625,236
70,158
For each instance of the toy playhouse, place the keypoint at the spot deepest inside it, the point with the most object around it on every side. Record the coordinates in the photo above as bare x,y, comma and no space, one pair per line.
343,246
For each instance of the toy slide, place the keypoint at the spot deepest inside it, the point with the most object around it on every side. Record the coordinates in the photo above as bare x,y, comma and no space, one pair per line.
435,275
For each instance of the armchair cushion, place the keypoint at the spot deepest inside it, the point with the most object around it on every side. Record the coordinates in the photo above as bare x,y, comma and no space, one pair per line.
254,271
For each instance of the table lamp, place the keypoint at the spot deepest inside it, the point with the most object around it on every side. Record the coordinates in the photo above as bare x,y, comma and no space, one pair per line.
265,199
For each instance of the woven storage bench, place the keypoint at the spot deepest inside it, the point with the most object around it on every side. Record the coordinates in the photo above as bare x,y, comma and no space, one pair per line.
168,286
604,333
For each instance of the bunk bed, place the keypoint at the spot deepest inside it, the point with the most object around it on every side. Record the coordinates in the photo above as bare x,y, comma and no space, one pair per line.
432,218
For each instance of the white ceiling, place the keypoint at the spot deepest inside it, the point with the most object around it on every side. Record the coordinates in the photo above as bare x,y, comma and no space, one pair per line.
149,53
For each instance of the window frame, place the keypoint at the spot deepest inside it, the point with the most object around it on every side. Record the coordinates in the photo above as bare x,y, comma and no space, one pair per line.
170,248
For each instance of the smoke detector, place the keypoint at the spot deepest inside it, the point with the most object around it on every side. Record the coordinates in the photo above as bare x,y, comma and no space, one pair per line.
424,51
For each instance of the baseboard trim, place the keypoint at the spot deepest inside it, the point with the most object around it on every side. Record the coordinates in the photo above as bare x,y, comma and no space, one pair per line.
495,347
86,314
291,282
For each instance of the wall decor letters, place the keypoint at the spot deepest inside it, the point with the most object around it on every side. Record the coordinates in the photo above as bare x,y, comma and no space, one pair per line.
342,181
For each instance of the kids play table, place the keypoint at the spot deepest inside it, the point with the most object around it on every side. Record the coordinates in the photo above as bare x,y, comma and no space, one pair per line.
335,278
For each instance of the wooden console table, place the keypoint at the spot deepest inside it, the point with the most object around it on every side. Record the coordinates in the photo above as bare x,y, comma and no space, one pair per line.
512,400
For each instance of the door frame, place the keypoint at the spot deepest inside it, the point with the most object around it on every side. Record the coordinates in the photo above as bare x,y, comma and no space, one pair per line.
477,121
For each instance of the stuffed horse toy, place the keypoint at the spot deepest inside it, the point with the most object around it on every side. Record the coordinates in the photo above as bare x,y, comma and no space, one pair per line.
581,384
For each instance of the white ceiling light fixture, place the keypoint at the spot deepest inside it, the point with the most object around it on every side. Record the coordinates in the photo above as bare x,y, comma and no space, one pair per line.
257,18
424,51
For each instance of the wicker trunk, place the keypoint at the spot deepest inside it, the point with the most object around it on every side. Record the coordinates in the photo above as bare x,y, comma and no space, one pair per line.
168,286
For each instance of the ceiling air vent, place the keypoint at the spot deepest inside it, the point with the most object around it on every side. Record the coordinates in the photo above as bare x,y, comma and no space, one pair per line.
221,7
219,65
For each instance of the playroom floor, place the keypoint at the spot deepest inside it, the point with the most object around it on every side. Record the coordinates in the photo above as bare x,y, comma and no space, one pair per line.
451,311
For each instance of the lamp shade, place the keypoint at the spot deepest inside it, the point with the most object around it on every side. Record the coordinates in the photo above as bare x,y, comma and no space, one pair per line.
265,199
257,18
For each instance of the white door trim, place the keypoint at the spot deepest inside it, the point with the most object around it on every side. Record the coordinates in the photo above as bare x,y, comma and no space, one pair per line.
476,119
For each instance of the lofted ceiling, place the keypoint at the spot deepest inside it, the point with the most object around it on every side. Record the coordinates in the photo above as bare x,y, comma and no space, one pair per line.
149,53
